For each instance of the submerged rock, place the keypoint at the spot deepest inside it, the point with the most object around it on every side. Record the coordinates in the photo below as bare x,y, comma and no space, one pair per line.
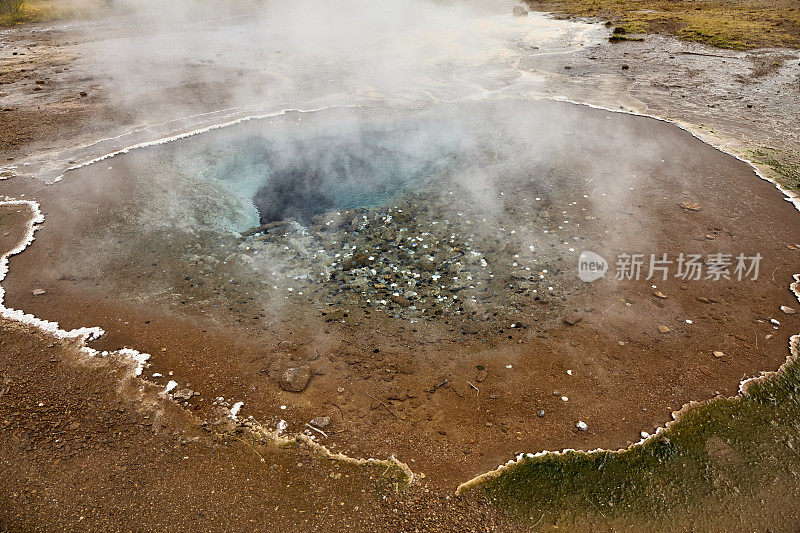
401,300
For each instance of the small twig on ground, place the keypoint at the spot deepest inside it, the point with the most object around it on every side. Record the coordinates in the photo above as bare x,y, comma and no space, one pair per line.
706,55
477,390
605,456
382,403
309,426
336,406
249,446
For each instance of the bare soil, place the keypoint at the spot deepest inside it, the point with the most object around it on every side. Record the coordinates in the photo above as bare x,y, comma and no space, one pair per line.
395,400
86,447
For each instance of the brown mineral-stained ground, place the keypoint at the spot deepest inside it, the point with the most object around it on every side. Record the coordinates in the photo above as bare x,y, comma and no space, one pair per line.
37,123
626,376
85,447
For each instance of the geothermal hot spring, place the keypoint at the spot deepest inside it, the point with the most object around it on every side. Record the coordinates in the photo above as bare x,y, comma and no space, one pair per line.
416,256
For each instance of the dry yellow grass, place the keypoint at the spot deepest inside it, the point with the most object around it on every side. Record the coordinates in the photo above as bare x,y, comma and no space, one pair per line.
737,24
20,11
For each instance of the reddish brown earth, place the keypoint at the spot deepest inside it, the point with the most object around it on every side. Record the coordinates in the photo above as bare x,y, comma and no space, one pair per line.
114,468
85,447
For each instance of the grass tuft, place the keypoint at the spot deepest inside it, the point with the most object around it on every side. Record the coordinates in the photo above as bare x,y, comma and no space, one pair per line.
17,11
718,453
14,12
734,24
788,171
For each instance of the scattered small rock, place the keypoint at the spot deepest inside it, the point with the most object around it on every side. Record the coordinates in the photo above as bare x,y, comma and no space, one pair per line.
38,292
581,425
571,320
788,310
183,394
402,301
321,421
540,413
83,94
481,376
718,354
520,11
335,315
625,67
663,329
470,328
690,206
659,294
295,379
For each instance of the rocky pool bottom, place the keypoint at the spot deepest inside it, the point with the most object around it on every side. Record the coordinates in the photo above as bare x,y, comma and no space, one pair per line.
428,256
416,214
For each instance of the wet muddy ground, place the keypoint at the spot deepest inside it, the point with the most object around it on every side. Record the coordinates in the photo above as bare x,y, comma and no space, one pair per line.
86,447
452,386
391,378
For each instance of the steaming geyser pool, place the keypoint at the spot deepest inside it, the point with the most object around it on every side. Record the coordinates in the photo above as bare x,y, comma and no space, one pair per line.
420,264
453,210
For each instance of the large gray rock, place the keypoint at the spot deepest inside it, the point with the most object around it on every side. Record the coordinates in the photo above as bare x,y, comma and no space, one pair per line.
295,379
